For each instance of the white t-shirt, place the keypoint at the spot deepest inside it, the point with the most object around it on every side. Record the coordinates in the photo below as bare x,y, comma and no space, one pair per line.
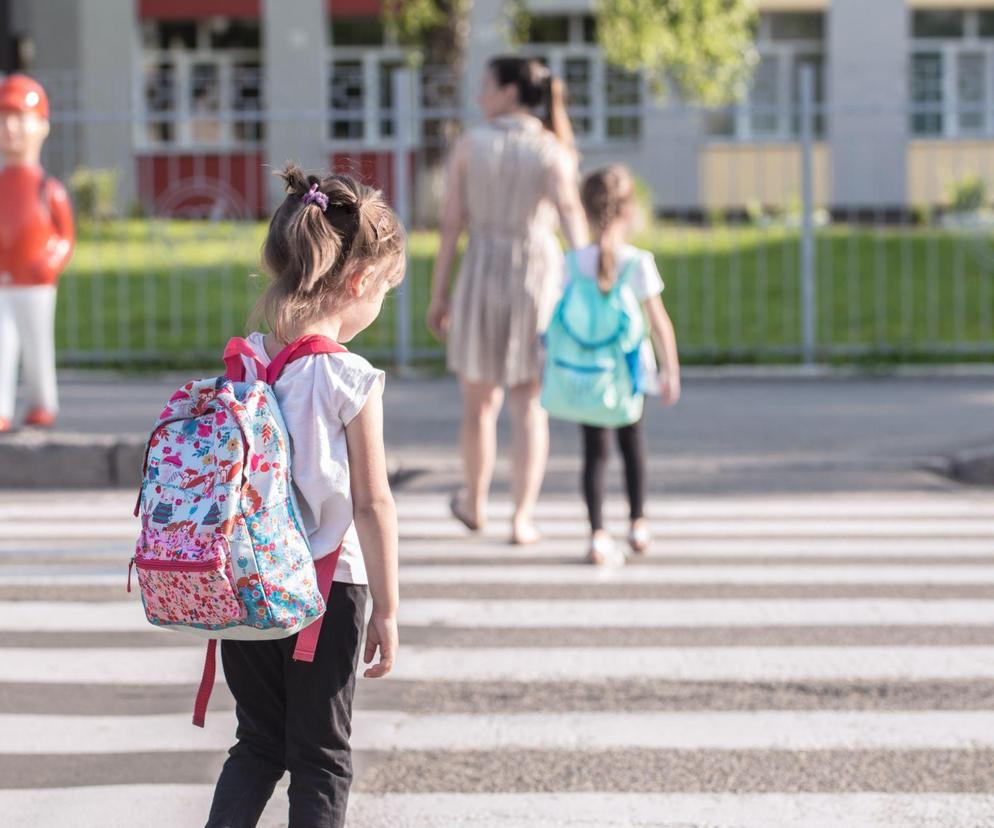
644,276
319,395
645,282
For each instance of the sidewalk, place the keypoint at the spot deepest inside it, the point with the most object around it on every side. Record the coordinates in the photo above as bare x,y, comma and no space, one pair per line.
728,434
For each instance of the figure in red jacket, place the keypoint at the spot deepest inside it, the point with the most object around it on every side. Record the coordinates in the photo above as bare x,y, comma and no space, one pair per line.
37,237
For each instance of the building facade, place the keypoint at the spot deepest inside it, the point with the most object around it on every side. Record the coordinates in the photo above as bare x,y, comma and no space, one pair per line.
193,101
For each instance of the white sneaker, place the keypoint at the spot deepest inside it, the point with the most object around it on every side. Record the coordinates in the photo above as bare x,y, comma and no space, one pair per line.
639,538
604,552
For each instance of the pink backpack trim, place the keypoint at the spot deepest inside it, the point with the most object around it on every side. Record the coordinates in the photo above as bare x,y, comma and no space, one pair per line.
305,346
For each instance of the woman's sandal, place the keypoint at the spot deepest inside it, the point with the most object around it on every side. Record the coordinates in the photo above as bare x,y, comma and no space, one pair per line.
455,507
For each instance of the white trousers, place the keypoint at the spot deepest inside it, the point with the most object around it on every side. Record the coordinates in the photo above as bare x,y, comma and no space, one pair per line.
27,330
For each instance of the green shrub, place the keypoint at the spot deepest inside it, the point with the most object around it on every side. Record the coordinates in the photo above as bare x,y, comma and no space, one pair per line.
968,194
94,192
921,215
645,199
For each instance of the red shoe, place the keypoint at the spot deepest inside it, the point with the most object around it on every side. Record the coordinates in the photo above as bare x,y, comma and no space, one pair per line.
40,418
5,425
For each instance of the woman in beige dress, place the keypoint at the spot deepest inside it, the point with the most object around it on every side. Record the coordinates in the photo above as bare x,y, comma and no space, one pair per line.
512,183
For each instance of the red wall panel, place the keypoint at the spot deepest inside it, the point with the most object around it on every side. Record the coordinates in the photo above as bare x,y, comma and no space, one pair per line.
353,8
196,9
221,185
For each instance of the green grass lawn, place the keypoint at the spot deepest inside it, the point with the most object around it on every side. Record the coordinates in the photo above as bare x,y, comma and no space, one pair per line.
172,292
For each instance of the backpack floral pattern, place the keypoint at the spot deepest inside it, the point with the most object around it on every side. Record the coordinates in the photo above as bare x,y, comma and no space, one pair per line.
221,548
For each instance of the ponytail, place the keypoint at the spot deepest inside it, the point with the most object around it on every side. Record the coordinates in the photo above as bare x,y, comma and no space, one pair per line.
606,265
607,194
324,227
556,116
537,89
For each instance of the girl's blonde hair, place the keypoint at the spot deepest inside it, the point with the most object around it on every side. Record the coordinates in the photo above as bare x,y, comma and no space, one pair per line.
324,230
606,194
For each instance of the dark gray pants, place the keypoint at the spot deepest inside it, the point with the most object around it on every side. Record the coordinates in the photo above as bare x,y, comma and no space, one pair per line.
293,716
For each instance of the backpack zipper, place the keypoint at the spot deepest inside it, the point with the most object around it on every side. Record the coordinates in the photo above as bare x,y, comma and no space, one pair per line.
177,566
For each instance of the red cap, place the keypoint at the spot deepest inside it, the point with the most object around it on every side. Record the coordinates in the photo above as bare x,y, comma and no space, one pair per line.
19,93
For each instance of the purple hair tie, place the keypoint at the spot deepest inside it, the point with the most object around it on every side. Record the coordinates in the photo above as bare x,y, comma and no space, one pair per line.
317,197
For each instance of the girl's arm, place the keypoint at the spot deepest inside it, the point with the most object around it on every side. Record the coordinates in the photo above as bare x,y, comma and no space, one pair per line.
376,524
565,194
453,220
664,338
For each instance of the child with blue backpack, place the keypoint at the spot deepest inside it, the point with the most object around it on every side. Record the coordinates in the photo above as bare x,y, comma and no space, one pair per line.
599,352
333,250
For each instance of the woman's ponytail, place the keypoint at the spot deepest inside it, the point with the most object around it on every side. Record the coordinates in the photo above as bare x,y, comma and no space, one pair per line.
538,89
556,117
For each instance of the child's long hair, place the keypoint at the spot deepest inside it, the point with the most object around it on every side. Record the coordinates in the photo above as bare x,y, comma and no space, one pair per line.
316,239
607,194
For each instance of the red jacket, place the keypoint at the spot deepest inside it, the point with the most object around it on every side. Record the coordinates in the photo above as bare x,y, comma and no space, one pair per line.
37,232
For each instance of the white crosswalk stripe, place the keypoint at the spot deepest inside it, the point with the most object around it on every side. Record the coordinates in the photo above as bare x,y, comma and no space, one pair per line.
532,725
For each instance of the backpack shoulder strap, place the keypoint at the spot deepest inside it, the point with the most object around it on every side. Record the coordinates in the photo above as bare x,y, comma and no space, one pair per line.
625,271
572,264
298,349
234,368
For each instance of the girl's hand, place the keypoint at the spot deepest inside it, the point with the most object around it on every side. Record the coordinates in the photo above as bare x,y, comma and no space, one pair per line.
438,318
381,634
669,385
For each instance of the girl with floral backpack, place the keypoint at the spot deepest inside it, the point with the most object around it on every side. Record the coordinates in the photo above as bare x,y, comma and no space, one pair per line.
266,510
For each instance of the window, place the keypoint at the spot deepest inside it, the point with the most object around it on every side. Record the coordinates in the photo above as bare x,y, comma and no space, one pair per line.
361,106
348,99
770,108
357,31
202,84
605,103
952,73
548,28
796,26
926,93
937,24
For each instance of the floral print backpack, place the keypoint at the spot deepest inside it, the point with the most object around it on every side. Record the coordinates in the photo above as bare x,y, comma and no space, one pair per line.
221,552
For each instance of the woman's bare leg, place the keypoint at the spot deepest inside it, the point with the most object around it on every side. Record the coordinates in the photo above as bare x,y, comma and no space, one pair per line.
481,406
530,454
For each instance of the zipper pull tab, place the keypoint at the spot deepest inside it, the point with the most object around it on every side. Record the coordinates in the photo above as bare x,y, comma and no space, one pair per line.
131,563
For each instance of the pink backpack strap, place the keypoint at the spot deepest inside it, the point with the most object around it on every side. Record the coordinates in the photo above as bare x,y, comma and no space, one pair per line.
307,638
300,348
206,684
234,368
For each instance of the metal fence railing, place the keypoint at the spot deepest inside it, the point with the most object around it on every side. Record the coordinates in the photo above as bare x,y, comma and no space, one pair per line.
769,261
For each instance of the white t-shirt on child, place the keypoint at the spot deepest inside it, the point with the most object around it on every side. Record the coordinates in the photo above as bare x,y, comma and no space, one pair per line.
644,277
645,282
319,395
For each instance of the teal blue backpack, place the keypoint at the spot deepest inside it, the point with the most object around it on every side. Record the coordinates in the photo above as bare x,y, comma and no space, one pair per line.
592,352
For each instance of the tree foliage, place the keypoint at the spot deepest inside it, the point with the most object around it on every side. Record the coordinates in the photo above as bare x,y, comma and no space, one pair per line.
439,28
704,48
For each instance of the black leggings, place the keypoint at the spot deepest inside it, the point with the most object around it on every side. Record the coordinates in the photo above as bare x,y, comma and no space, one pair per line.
596,444
293,716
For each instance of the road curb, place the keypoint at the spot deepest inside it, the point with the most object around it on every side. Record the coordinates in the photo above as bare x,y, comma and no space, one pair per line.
975,466
66,460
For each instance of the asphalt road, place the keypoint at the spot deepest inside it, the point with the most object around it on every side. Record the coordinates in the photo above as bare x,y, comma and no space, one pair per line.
729,434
